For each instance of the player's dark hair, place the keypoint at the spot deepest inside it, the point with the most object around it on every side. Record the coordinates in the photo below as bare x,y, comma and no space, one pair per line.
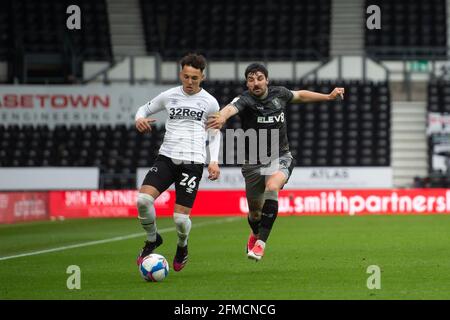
194,60
254,68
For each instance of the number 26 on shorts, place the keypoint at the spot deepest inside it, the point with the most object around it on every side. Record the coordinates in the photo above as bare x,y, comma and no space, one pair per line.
191,183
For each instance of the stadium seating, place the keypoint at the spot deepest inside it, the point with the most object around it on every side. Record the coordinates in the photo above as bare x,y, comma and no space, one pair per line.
439,96
40,26
117,151
353,132
408,29
282,29
30,27
6,41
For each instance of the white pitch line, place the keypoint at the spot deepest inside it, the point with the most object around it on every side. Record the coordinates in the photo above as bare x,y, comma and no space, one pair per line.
93,243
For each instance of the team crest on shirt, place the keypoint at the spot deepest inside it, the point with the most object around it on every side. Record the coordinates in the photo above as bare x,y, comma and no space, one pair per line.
283,164
276,103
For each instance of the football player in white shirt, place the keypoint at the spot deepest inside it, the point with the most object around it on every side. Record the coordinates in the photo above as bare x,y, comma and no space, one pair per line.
181,156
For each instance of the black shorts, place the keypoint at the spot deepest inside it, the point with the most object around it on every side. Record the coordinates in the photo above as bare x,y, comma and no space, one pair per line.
185,175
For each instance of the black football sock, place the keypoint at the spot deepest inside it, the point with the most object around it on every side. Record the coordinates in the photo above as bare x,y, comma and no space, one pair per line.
268,216
254,225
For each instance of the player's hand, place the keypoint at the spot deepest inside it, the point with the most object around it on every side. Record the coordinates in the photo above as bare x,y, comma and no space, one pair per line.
143,125
337,94
215,121
213,170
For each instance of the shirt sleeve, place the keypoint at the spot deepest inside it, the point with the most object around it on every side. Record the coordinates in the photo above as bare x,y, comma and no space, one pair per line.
151,107
239,103
213,107
214,135
286,94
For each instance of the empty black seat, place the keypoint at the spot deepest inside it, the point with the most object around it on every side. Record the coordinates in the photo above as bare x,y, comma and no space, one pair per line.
223,29
411,30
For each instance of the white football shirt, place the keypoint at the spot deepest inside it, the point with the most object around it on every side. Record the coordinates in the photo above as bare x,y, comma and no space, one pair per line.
185,137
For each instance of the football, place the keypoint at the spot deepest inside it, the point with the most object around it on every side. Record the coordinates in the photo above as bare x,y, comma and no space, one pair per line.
154,268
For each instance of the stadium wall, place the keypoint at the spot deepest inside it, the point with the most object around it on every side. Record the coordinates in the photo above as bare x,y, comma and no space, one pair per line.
301,178
23,206
148,68
75,105
49,178
115,203
32,206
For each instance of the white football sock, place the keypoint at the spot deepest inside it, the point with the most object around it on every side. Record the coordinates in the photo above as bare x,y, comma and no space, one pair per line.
183,226
147,215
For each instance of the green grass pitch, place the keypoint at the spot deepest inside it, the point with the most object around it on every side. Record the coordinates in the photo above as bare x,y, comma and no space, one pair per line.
306,258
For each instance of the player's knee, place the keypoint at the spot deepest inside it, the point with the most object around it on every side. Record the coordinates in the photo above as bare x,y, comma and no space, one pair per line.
144,205
144,200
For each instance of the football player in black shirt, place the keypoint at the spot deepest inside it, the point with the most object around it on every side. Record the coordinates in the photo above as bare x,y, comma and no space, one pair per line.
261,108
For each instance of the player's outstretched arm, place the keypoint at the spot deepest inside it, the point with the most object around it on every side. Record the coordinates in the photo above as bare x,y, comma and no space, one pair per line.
302,96
217,120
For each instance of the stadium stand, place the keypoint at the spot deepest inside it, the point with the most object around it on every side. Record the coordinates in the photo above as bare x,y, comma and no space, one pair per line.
439,96
354,132
409,29
288,31
6,40
285,29
36,32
